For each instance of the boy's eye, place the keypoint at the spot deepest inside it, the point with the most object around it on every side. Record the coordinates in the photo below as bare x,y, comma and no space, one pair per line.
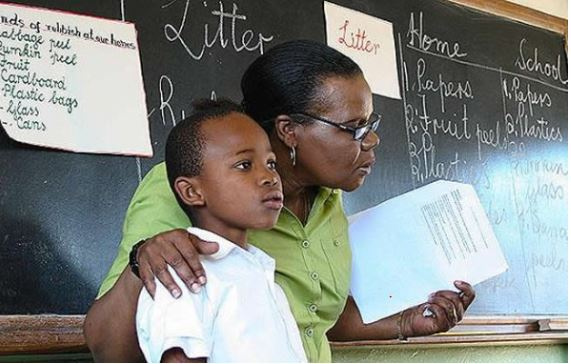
272,165
245,165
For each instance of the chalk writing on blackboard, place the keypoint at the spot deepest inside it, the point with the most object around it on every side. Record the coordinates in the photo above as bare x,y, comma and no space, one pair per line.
166,91
418,38
507,140
444,88
534,64
241,40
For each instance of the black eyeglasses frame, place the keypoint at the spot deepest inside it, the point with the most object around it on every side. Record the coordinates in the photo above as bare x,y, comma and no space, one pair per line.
359,135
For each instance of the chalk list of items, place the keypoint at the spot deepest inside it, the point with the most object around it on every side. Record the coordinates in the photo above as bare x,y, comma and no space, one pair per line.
499,127
71,82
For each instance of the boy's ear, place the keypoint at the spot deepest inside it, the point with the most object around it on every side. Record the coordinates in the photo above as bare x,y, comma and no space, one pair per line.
285,129
189,191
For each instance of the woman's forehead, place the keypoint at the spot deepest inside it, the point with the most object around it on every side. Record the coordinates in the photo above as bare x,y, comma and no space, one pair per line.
345,98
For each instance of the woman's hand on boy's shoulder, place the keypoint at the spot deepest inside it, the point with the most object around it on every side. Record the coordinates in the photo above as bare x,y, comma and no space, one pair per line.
179,249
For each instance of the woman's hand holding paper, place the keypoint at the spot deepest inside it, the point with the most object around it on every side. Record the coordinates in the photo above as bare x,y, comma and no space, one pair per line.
442,311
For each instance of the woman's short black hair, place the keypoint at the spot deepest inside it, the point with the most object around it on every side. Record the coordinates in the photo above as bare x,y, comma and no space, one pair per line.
288,77
185,143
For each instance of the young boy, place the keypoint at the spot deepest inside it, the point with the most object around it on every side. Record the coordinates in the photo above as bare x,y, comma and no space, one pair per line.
222,170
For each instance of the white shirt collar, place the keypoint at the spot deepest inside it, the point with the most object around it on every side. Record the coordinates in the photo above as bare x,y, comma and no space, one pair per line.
226,246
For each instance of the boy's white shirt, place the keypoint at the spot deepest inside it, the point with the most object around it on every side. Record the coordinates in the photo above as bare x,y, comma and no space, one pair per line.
240,315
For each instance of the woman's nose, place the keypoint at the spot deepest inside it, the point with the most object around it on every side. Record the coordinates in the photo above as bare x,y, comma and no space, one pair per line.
371,141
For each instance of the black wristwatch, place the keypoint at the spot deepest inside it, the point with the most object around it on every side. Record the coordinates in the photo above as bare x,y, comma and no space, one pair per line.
133,263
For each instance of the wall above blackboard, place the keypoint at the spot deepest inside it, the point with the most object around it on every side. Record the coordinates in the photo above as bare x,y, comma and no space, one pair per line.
484,109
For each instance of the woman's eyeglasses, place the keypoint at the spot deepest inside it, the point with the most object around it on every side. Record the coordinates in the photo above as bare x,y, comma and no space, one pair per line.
359,133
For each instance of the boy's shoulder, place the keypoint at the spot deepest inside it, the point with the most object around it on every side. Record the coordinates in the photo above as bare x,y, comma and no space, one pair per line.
231,263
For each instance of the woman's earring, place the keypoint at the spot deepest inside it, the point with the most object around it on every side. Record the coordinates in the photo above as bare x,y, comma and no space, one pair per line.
292,155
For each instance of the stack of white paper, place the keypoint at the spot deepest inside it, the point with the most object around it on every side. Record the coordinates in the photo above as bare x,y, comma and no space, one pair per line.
418,243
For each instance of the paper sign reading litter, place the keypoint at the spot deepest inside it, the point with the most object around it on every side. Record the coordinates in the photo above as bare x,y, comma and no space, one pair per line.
71,82
419,243
369,42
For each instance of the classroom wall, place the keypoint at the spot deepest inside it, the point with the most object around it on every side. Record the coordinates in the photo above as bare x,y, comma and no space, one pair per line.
552,7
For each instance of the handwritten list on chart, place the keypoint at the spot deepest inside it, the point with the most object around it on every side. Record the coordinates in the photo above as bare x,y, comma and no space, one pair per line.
495,126
71,82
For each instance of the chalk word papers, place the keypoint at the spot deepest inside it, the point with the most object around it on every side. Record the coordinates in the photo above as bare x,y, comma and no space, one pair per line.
71,82
369,42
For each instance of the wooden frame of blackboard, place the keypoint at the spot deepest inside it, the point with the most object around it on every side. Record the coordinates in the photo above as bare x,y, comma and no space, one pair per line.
52,334
518,12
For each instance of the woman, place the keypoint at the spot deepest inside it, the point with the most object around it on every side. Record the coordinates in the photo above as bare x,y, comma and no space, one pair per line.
317,109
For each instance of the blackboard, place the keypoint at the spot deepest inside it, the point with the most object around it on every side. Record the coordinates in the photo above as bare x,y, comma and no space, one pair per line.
493,117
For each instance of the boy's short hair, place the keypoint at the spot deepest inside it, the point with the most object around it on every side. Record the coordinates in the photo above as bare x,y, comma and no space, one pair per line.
185,143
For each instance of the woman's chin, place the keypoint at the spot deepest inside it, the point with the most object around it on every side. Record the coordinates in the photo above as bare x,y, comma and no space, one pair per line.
353,184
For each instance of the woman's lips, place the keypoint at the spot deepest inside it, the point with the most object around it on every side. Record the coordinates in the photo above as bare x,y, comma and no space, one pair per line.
365,170
366,167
